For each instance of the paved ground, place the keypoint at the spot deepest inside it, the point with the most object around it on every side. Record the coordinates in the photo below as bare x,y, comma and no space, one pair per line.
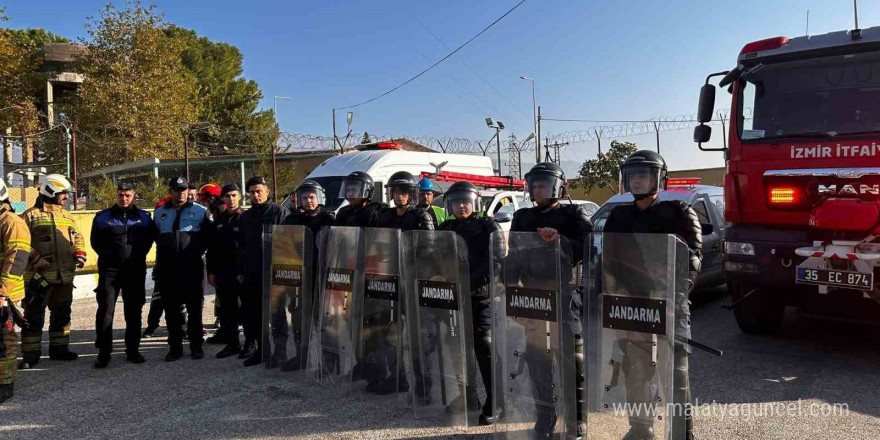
812,360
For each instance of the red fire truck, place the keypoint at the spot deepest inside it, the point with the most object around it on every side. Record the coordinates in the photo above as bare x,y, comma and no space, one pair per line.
802,190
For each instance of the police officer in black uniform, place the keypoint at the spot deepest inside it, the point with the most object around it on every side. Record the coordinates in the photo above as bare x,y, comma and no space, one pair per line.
403,190
250,264
122,235
222,265
310,212
549,218
358,189
464,202
643,174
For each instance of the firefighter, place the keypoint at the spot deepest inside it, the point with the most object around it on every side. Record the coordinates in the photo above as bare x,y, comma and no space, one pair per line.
310,199
644,174
15,241
550,219
222,269
180,226
122,235
58,250
463,201
403,190
358,189
426,198
262,212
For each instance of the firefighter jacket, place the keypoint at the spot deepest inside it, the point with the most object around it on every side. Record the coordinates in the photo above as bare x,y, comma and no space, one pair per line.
15,239
56,239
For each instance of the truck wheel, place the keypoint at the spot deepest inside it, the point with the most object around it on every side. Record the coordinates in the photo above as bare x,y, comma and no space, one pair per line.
759,314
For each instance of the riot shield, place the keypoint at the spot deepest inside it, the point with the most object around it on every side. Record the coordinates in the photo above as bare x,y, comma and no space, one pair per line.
339,278
439,325
379,353
533,329
637,289
290,297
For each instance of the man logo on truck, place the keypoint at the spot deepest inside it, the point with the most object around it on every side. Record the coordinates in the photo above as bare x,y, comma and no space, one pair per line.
849,190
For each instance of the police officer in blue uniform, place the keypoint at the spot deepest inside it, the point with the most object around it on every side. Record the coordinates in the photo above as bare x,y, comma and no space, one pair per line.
122,235
180,228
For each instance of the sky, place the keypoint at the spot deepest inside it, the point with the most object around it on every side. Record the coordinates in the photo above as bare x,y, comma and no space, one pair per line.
598,60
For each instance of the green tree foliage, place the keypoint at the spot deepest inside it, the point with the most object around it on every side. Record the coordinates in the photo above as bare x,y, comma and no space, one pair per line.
137,97
102,192
229,121
604,170
22,76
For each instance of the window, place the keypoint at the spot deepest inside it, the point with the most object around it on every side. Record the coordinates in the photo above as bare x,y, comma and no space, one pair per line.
702,213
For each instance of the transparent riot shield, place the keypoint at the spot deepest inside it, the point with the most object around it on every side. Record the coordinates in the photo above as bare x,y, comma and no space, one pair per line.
533,331
636,290
338,280
290,297
379,362
439,326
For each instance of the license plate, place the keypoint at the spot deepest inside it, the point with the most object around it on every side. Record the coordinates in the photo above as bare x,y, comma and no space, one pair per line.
837,278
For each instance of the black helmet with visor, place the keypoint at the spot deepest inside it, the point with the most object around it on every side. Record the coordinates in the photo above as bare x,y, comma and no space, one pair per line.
643,174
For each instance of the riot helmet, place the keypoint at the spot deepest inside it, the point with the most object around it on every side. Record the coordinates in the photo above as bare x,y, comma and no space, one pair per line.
545,180
357,185
460,193
402,182
643,174
304,193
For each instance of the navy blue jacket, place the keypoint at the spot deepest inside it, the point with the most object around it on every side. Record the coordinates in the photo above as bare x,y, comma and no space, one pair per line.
250,240
122,236
181,239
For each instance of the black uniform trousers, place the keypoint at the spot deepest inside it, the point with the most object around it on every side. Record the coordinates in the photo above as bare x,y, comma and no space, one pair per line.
130,280
252,311
175,294
228,294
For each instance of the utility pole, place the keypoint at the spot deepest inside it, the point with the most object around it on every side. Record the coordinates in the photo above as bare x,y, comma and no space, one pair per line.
657,131
538,135
186,153
556,146
73,151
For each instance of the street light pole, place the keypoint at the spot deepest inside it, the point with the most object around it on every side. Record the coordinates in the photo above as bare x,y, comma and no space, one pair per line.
535,119
275,147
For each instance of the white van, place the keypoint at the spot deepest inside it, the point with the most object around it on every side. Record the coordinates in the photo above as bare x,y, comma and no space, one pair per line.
381,160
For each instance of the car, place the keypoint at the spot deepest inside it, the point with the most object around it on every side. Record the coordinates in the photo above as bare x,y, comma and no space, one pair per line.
708,202
591,207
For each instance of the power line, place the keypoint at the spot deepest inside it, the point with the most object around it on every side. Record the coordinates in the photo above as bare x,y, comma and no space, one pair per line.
474,71
438,62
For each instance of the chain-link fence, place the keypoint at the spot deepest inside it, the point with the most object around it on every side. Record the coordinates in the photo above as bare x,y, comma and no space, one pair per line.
150,177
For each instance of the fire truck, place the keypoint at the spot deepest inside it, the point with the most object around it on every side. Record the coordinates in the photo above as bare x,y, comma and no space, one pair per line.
802,188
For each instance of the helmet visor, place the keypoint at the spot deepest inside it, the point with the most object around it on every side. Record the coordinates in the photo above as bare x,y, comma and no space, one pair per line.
353,189
544,186
462,202
412,193
640,180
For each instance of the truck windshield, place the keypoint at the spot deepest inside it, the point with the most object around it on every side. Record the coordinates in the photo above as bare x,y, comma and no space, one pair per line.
813,98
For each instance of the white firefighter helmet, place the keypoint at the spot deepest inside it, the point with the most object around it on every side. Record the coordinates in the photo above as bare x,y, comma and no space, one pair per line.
54,184
4,193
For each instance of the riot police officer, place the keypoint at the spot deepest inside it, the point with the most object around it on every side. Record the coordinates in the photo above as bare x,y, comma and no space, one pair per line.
403,190
310,212
463,201
427,192
644,174
122,235
550,219
222,264
250,264
358,189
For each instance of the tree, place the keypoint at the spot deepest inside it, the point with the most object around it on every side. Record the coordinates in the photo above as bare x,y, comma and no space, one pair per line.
229,117
604,170
22,77
137,97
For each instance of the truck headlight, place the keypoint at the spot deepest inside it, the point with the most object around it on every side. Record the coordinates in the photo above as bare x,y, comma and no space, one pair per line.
734,248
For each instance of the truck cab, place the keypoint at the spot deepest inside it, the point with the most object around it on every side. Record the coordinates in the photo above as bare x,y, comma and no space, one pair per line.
802,189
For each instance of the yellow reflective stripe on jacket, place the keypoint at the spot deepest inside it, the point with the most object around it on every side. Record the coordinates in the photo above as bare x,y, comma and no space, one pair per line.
14,239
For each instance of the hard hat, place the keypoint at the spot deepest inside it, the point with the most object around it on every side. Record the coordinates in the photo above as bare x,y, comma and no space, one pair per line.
54,184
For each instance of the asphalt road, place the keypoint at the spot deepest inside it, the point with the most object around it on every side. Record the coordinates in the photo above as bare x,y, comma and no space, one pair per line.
810,361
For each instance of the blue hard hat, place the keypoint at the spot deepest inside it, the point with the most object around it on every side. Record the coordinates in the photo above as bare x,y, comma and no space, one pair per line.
426,185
